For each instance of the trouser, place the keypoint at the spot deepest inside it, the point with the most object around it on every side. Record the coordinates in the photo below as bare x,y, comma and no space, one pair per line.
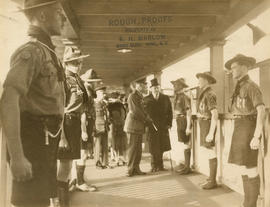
134,143
101,148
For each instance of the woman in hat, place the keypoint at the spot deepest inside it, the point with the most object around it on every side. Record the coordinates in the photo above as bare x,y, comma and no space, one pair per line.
248,109
182,110
208,116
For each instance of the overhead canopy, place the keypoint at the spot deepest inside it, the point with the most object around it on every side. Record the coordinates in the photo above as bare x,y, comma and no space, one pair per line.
156,33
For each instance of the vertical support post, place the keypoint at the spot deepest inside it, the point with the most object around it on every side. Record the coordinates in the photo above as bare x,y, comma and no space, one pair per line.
264,166
216,68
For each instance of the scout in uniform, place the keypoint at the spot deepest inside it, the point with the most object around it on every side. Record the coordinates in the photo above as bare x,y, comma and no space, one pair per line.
208,116
74,123
182,110
32,107
90,79
248,109
101,129
159,108
135,127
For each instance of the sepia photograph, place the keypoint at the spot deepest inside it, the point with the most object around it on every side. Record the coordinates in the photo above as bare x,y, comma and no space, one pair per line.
134,103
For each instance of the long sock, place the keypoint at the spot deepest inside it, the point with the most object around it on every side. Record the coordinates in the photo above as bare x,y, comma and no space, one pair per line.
63,194
213,169
187,154
246,190
80,173
254,190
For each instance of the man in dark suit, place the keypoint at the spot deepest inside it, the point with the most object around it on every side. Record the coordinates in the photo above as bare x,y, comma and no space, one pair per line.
134,127
158,107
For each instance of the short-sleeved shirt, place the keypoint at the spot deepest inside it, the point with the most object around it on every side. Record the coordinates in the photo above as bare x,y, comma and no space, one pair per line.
181,103
246,97
77,98
101,115
35,74
207,101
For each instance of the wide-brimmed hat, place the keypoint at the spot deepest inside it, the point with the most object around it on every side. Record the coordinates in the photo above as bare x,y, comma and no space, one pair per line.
208,76
181,82
90,76
31,4
100,87
142,80
72,53
242,59
154,82
115,94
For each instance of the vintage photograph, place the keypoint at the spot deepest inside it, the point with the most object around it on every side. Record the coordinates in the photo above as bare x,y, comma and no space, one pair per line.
134,103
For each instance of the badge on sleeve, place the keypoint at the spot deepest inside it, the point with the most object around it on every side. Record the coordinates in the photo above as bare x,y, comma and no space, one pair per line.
25,55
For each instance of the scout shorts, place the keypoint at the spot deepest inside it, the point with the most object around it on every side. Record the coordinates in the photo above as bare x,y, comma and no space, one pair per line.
240,152
204,130
181,122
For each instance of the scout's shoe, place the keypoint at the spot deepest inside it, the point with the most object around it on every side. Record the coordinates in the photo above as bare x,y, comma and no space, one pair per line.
86,188
185,171
209,185
139,172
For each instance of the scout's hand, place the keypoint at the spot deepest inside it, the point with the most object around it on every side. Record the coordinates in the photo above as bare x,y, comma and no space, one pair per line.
84,136
255,143
188,131
209,138
63,144
21,169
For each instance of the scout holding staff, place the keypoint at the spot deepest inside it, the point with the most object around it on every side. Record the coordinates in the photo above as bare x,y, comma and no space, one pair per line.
74,125
159,109
101,129
182,110
248,109
32,107
135,127
208,116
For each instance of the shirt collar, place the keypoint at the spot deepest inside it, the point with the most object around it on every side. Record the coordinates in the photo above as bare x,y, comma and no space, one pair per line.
41,36
243,79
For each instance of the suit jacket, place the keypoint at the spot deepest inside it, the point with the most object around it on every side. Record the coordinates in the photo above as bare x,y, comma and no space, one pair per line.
136,117
160,111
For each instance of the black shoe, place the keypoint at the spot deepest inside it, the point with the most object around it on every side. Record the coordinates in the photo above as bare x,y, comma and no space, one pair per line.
162,169
139,172
153,170
185,171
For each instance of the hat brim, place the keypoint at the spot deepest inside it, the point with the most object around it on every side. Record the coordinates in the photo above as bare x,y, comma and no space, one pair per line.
100,88
38,5
210,78
184,85
92,80
154,85
76,58
249,60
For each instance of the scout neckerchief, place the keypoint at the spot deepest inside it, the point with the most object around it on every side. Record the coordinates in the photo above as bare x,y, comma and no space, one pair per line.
237,87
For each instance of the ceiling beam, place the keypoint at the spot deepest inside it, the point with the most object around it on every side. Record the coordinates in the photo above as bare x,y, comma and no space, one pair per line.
86,7
242,12
142,21
71,18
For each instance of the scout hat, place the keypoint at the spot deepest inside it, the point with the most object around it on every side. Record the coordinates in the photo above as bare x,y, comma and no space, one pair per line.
90,76
31,4
142,80
242,59
72,53
207,76
100,87
115,94
154,82
180,81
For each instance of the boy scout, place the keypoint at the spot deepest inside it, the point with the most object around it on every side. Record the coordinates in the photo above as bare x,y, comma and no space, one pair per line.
32,107
101,129
182,110
74,122
248,109
134,127
208,116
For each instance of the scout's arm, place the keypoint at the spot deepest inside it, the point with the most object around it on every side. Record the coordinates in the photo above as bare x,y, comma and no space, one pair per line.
84,127
255,142
213,125
170,113
188,117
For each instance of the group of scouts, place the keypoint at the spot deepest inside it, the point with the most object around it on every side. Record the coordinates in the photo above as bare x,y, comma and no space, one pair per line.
49,112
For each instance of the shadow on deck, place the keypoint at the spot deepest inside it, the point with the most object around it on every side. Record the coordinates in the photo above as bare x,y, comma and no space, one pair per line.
160,189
